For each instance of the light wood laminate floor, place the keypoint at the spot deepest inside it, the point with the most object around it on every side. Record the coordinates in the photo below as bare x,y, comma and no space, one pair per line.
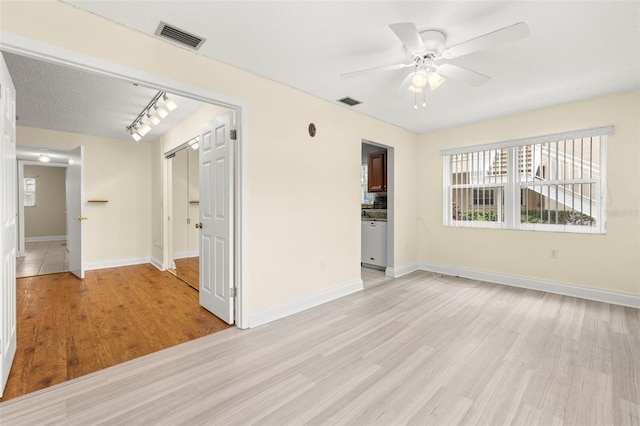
412,351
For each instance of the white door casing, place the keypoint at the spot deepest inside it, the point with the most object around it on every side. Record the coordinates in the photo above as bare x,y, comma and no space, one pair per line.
75,210
8,234
216,218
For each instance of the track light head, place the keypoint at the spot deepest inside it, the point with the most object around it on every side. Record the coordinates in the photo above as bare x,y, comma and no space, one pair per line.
168,102
152,118
162,113
144,128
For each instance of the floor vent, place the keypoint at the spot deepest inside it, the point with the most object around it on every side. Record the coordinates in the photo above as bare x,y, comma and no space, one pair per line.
179,36
349,101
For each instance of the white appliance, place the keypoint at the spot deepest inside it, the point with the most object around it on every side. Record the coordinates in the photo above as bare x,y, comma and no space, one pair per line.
374,243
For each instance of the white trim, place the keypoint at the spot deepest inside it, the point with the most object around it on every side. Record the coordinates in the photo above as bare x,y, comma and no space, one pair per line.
576,134
157,263
303,303
186,254
47,238
116,263
19,45
598,295
402,270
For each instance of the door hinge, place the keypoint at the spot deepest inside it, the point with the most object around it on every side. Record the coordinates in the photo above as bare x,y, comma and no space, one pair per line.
233,292
233,135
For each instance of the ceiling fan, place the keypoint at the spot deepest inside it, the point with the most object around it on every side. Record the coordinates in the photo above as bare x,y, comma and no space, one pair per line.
429,55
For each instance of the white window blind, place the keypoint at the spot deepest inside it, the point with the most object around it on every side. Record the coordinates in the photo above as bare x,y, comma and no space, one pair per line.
546,183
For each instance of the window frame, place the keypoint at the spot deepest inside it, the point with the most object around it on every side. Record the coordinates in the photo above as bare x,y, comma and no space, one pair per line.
513,185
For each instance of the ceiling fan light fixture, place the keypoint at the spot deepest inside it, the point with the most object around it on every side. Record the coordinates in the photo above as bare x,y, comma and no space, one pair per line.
435,80
419,79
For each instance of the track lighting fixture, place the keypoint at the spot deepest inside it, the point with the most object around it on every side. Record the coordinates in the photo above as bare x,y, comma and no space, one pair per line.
153,113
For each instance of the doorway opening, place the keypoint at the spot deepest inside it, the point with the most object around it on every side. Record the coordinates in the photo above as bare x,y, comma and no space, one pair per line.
43,229
183,202
376,213
78,61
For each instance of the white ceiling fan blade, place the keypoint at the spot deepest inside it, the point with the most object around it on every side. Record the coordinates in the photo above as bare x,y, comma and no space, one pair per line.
403,89
495,38
455,72
408,34
376,69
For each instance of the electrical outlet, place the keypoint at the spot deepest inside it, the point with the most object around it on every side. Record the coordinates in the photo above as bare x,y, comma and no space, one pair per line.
554,254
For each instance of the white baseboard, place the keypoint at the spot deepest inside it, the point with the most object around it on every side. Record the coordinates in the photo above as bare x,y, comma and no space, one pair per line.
598,295
115,263
49,238
158,264
185,254
402,270
303,303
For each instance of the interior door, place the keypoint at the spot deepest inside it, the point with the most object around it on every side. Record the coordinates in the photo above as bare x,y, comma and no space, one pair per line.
75,210
216,218
8,234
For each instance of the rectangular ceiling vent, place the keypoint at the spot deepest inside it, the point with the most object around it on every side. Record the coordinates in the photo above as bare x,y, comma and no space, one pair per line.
179,36
349,101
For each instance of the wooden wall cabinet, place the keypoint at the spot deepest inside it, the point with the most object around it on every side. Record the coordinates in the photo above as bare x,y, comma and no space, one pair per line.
377,172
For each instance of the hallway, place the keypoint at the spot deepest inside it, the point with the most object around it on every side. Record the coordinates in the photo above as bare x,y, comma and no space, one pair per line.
43,257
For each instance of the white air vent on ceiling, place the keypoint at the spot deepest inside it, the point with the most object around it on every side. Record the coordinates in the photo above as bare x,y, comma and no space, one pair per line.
179,36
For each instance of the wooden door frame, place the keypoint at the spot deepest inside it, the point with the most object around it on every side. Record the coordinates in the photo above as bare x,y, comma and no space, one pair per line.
23,46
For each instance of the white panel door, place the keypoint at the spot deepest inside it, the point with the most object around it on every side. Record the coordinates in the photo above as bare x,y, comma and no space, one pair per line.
216,218
75,210
8,234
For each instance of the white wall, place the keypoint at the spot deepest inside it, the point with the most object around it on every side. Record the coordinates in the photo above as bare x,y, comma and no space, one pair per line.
608,262
115,170
46,218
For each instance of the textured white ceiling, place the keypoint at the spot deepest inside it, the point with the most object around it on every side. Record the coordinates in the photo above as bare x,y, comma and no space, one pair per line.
51,96
576,50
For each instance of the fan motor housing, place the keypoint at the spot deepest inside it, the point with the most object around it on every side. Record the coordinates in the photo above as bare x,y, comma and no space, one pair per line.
434,41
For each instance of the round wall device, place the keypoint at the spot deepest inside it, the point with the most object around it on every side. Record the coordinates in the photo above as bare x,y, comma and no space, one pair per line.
312,129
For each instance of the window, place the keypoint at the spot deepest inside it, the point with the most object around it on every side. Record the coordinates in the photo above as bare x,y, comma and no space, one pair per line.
546,183
483,197
367,198
29,192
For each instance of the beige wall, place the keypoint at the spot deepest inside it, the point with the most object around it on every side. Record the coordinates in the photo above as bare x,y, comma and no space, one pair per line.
607,262
46,218
303,200
115,170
